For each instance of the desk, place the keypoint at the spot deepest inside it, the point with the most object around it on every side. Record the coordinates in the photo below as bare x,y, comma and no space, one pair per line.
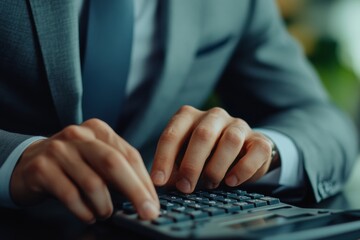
52,221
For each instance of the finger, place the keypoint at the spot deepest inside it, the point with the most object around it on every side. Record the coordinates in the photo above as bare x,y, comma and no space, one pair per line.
202,142
170,143
260,172
113,167
51,179
227,150
102,131
258,152
173,177
91,185
134,159
106,134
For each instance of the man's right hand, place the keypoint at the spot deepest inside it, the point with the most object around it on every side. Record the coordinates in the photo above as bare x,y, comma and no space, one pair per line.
76,165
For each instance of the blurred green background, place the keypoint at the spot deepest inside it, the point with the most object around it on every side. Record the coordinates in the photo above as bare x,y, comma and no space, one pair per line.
329,32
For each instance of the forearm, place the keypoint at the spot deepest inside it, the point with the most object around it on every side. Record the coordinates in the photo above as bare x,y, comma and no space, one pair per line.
326,140
271,85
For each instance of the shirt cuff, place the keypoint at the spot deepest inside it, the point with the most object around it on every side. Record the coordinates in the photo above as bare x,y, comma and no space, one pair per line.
6,171
291,172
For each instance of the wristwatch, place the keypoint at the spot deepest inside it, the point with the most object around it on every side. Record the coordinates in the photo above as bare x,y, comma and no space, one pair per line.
275,157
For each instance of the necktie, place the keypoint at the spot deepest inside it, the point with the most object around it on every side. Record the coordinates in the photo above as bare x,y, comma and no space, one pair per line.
107,58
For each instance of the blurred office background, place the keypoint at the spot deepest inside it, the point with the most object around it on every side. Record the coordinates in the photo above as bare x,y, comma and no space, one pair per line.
329,31
330,34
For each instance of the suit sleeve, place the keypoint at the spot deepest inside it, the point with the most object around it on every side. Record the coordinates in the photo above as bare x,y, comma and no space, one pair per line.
9,141
7,168
269,83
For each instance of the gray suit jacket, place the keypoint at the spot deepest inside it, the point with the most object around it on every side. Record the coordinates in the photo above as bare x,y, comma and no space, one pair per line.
240,49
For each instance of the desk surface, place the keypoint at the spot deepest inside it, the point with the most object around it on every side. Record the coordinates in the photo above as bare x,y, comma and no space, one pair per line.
52,221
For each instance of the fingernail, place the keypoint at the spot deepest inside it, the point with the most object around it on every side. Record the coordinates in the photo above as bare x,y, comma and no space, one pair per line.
211,185
158,177
149,210
184,185
232,181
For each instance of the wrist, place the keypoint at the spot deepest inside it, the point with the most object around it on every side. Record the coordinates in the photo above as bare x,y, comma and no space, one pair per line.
275,157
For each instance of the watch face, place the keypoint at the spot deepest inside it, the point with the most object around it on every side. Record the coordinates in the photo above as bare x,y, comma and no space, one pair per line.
275,157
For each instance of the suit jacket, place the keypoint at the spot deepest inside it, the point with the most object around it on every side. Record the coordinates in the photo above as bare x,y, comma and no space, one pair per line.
239,49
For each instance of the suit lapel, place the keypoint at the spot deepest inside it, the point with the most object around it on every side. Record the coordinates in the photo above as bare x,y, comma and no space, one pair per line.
56,24
182,25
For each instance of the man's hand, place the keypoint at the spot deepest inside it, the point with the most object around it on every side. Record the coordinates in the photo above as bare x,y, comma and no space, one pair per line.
218,147
76,165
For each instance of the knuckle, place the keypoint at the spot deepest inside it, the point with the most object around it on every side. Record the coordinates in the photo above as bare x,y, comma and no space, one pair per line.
179,118
96,123
107,135
247,170
133,155
186,109
203,133
54,147
93,185
218,111
188,169
73,132
239,122
233,136
38,167
162,159
263,146
169,135
111,161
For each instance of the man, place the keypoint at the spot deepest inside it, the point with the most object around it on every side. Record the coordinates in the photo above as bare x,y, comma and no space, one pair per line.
62,135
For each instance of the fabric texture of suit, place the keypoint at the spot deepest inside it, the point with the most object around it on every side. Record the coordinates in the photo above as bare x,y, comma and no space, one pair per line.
240,49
